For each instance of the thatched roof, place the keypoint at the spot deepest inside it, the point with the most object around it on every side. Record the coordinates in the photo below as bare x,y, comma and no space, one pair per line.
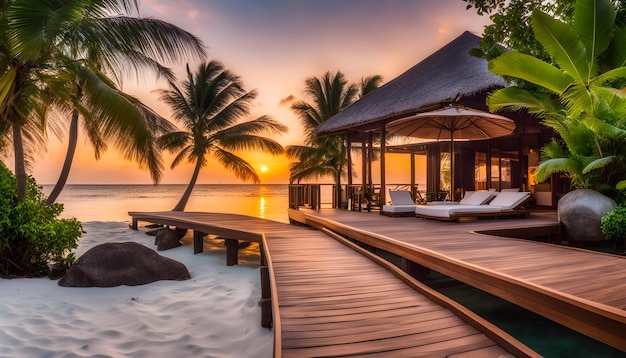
446,76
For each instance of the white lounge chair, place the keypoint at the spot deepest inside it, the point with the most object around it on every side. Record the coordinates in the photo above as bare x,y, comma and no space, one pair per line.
500,204
402,204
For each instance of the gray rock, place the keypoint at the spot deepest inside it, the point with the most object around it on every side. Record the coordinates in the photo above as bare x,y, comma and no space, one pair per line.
167,239
126,263
580,211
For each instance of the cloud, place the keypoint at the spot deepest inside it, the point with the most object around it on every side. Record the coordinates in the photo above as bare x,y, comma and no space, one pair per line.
287,100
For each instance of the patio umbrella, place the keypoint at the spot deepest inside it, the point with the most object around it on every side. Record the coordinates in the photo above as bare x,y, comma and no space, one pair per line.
453,123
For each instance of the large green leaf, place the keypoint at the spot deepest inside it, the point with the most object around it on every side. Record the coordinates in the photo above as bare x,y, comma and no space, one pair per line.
556,165
612,74
514,98
594,20
531,69
617,51
598,163
602,128
561,41
621,185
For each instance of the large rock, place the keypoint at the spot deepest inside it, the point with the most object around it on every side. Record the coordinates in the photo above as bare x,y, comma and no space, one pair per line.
126,263
580,211
166,239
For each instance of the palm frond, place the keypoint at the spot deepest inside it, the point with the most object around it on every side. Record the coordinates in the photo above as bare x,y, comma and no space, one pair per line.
238,166
531,69
603,129
598,163
556,165
263,124
368,84
514,98
617,50
184,154
174,141
299,151
594,24
561,41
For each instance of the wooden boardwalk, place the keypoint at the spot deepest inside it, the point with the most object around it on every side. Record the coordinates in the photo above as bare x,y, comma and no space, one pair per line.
583,290
329,300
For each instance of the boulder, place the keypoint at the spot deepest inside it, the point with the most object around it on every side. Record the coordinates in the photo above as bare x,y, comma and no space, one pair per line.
580,211
166,239
126,263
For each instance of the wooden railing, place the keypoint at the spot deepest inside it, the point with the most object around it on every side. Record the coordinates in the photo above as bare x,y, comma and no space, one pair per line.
353,197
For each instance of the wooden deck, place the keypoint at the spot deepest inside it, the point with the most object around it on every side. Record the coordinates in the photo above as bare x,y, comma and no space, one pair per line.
328,299
583,290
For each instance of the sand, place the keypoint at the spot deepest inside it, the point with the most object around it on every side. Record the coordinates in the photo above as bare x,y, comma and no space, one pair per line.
215,314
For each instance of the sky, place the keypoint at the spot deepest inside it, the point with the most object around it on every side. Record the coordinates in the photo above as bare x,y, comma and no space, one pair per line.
274,46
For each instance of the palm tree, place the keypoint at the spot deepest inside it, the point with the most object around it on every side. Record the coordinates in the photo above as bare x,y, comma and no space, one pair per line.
324,156
83,43
209,104
581,104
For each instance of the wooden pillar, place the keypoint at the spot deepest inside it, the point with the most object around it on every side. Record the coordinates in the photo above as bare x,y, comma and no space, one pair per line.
232,252
349,160
370,158
363,168
134,224
266,299
413,193
198,243
383,181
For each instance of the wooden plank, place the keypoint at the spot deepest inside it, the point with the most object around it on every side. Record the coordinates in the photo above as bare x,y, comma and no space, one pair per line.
550,280
328,300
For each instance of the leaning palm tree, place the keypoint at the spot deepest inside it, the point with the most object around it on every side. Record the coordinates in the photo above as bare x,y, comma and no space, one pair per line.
325,156
209,104
85,43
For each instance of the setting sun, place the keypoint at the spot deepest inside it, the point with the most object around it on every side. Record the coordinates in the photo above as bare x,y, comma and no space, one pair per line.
263,169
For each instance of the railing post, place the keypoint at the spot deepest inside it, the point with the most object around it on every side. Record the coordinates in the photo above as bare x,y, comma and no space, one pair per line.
266,298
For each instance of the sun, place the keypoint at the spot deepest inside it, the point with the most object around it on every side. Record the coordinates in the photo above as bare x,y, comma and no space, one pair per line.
263,169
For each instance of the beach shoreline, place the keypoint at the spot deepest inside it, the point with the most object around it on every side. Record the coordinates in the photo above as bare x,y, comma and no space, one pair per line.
214,314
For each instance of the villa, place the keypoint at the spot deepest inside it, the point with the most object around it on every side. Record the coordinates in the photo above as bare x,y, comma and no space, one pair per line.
449,77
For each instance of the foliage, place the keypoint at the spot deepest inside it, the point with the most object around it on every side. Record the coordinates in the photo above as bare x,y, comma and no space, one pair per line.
33,240
209,104
324,156
68,55
579,98
614,223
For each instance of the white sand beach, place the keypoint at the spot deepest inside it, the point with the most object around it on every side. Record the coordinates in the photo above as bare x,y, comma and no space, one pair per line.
215,314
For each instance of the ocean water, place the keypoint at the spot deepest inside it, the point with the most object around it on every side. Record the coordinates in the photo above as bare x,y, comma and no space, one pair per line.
113,202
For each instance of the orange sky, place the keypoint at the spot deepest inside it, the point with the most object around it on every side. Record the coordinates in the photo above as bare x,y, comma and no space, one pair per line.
274,46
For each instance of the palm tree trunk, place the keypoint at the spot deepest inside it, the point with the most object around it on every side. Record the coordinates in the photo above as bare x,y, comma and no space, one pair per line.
20,166
69,157
185,198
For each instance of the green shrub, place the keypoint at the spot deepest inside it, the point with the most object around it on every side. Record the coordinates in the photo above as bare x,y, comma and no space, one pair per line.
614,223
34,242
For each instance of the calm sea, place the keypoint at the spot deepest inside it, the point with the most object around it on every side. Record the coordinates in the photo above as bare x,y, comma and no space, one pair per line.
113,202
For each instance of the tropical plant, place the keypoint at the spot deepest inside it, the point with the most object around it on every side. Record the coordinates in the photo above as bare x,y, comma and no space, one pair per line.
33,240
588,113
209,104
62,54
324,156
511,25
613,224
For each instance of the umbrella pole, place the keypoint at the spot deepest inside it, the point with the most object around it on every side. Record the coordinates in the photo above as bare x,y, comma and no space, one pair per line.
452,167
